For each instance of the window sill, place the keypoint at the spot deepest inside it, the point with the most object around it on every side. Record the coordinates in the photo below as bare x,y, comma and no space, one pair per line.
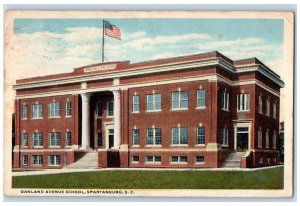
179,145
135,146
178,163
224,145
150,111
154,145
37,147
153,163
33,118
180,109
199,163
200,145
37,165
109,116
225,110
53,165
54,117
200,108
24,118
243,111
68,116
99,117
54,146
135,112
135,162
68,147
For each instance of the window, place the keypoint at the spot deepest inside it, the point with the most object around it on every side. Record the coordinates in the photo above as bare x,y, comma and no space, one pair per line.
24,140
201,98
135,158
274,110
54,139
24,111
54,110
153,159
154,102
135,137
99,138
37,111
179,159
224,135
37,139
54,160
259,138
260,104
267,139
135,103
180,100
37,159
99,109
261,160
225,101
243,102
24,160
267,107
274,139
68,108
154,136
110,109
199,159
179,136
200,135
68,139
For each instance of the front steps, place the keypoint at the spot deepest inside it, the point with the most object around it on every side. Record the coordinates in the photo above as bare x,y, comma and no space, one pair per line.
234,160
88,161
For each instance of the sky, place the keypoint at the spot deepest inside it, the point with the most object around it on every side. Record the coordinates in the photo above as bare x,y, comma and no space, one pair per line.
58,45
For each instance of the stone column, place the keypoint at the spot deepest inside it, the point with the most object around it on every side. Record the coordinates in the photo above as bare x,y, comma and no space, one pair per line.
117,119
85,122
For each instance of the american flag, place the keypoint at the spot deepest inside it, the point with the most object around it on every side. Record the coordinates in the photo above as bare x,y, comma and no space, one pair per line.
111,30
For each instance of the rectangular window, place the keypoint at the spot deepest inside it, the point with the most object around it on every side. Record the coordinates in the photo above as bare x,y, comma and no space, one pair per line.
24,140
68,108
54,160
260,104
37,111
274,139
135,103
110,109
243,102
179,159
68,139
37,159
24,111
201,98
224,135
259,138
200,135
274,110
267,107
135,137
267,139
153,159
135,158
154,136
37,139
225,101
200,159
99,138
179,136
54,109
99,109
24,160
54,139
154,102
180,100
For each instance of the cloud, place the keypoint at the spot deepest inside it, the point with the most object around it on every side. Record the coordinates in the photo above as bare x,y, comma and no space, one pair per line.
163,55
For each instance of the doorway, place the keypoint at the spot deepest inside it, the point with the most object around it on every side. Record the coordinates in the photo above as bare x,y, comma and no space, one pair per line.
109,135
110,138
242,136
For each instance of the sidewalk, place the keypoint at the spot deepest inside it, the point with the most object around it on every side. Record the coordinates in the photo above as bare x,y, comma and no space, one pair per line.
59,171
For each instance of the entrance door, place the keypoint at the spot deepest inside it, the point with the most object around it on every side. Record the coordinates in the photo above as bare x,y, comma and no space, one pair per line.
111,138
242,139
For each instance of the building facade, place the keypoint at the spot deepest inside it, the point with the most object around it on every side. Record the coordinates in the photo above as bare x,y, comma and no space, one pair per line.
190,111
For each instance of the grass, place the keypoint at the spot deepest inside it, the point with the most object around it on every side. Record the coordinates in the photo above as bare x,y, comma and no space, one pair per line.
262,179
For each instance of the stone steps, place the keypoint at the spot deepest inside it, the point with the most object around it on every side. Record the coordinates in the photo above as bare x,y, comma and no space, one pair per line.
88,161
233,160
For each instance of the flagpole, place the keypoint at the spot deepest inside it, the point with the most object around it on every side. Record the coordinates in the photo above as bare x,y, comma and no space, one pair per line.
103,41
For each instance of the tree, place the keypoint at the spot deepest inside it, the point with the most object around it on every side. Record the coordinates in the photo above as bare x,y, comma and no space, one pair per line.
281,141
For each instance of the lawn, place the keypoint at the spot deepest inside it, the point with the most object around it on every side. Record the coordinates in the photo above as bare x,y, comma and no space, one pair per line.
262,179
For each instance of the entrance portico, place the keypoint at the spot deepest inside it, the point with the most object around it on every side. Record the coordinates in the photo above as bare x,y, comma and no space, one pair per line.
86,124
